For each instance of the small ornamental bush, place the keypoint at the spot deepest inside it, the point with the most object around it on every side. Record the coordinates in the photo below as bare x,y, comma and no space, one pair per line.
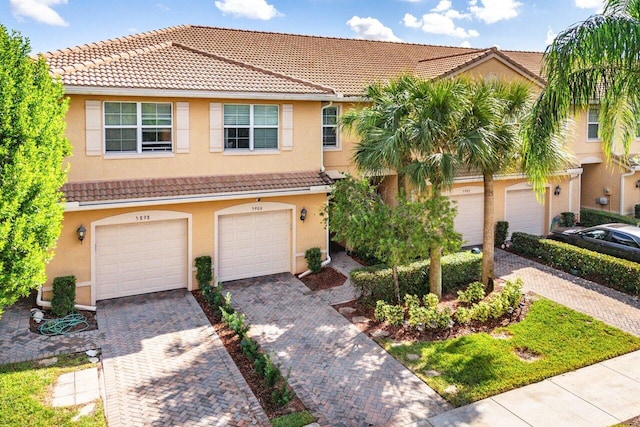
271,372
411,301
391,314
567,219
501,233
481,311
462,315
64,295
203,273
636,211
430,300
474,293
235,321
610,271
250,348
314,259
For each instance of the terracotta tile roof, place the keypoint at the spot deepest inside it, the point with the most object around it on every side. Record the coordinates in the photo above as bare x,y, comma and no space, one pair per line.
159,188
307,62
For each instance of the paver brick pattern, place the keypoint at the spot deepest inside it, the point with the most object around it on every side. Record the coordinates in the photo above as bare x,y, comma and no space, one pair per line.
608,305
164,365
342,376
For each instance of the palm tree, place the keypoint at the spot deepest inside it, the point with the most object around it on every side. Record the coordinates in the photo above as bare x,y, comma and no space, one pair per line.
411,126
596,60
492,145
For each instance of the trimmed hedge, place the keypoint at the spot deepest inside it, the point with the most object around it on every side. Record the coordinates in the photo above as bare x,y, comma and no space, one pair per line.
203,274
591,217
376,282
64,296
607,270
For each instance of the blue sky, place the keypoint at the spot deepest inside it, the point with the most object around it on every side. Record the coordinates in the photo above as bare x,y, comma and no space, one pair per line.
509,24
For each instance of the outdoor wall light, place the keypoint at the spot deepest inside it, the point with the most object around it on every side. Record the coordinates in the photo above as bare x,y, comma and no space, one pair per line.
638,183
556,192
82,232
303,214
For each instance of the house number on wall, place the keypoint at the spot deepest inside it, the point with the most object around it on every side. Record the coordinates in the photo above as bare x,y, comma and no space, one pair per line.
256,208
466,191
143,217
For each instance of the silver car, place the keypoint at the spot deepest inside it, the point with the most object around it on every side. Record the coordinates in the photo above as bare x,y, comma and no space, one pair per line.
620,240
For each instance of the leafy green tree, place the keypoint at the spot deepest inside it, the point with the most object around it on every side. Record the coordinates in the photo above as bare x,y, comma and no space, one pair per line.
594,61
394,234
493,145
32,151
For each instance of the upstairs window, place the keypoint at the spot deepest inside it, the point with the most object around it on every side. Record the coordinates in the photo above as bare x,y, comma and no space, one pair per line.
330,127
593,123
138,127
250,127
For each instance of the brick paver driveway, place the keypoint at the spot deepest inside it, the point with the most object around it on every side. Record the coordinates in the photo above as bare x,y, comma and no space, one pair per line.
163,364
342,376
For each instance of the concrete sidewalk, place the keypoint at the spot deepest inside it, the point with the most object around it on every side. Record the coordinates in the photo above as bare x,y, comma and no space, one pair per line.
603,394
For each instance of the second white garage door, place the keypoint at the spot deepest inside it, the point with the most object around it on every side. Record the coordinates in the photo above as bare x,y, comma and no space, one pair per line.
524,213
138,258
254,244
469,219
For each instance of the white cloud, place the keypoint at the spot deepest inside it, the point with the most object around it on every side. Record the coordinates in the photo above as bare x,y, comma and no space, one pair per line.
163,7
38,10
252,9
132,30
550,36
442,6
465,43
411,21
372,29
589,4
440,23
492,11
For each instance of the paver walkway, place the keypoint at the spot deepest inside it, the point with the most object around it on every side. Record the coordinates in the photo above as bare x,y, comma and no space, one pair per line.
344,264
612,307
342,376
164,364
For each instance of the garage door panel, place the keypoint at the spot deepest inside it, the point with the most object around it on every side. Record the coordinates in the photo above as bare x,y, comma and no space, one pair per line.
138,258
253,244
470,217
524,213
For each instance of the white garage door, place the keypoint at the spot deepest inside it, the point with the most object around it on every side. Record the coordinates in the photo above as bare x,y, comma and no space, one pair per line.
254,244
469,219
134,259
524,213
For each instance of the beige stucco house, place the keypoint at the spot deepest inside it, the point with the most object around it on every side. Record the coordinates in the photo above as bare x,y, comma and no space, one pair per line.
192,141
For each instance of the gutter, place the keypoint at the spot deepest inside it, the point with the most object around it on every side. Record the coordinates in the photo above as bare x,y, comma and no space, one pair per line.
47,304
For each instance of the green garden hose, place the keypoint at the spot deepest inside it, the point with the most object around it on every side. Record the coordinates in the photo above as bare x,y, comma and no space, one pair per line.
64,325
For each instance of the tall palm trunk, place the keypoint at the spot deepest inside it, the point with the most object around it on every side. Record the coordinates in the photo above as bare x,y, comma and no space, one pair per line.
435,256
488,237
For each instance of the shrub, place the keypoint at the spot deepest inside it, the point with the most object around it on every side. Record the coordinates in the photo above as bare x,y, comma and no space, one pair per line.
64,296
411,301
512,292
250,348
282,395
473,293
314,259
567,219
392,314
430,300
462,315
235,321
636,211
610,271
271,372
481,311
501,233
591,217
376,283
203,274
260,363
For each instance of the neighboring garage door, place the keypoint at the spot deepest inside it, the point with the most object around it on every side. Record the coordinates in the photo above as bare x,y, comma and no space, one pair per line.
468,221
254,244
134,259
524,213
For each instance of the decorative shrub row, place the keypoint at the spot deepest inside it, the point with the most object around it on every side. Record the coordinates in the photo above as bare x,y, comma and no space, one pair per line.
376,282
591,217
428,316
64,296
610,271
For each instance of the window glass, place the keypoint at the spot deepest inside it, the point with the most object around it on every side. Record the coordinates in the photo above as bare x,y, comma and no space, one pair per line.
124,133
265,115
237,115
265,138
329,126
593,123
251,127
121,140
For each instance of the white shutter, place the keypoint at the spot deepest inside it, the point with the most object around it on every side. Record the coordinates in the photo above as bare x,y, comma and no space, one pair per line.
287,127
215,127
182,127
93,127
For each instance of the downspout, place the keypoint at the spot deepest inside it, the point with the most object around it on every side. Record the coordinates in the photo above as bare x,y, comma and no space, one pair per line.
622,177
47,304
328,260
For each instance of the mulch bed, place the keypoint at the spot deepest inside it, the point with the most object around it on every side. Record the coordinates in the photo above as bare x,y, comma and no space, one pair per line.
399,333
327,278
231,342
89,315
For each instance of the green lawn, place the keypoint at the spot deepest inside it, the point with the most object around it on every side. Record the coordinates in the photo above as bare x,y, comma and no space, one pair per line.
25,389
296,419
480,365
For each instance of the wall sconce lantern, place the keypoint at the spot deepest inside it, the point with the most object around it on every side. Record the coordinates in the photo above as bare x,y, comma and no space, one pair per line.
638,183
82,232
303,214
556,192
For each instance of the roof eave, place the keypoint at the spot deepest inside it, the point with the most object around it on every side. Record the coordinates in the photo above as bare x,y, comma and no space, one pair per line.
181,93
